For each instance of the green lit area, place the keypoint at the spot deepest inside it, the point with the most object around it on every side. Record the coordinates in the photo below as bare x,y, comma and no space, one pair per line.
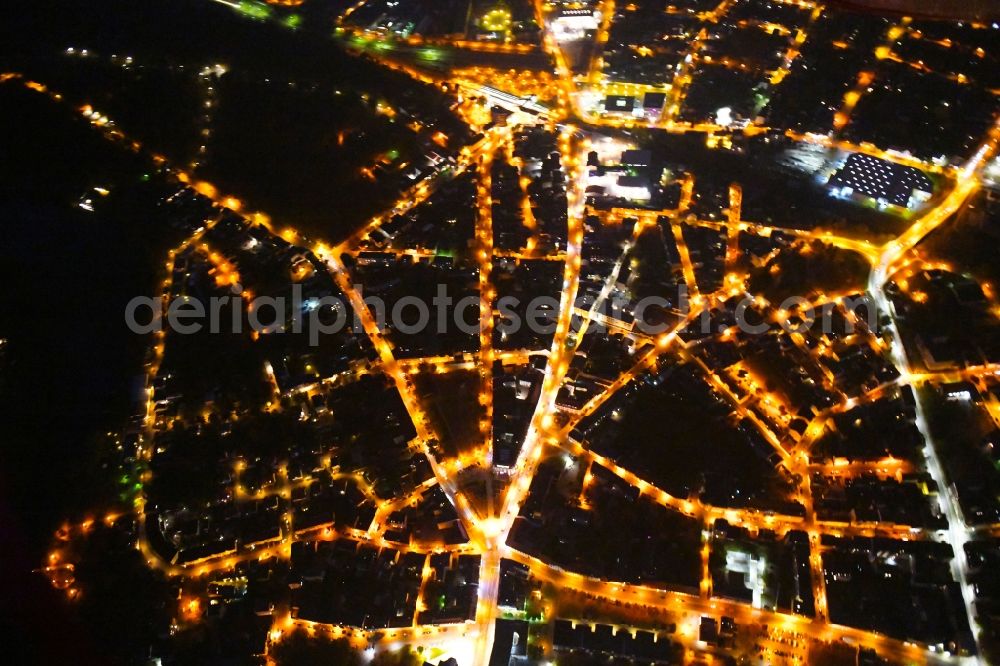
430,54
255,10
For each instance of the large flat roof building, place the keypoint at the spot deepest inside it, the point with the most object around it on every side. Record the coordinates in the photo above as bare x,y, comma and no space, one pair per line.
882,180
619,104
